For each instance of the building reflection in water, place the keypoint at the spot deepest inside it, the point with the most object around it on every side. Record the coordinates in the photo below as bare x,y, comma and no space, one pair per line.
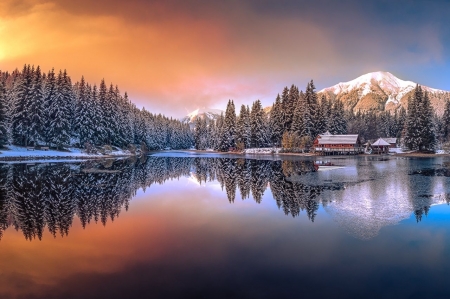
362,197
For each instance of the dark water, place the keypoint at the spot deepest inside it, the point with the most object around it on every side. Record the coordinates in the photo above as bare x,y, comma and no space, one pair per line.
180,227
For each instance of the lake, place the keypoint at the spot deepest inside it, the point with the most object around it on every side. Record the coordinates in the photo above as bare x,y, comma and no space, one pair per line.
180,226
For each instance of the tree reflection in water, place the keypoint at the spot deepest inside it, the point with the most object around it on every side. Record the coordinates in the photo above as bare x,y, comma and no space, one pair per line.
35,196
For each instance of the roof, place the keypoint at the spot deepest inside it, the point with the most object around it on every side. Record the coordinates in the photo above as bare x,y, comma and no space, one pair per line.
337,139
390,140
380,142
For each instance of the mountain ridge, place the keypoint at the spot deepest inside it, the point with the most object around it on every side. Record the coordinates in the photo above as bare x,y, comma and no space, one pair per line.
380,91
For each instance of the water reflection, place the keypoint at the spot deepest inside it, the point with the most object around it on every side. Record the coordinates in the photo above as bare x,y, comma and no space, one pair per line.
362,195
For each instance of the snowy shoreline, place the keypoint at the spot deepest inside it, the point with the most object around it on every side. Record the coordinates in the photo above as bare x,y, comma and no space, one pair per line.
17,153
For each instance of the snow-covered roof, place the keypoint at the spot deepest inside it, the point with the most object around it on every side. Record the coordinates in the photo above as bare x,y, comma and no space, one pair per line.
380,142
390,140
338,139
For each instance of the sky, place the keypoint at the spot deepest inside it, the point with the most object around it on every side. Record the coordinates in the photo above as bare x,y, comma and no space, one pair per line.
174,56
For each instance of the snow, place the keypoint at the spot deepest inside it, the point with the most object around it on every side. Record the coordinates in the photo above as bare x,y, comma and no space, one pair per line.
396,150
202,112
22,152
271,150
394,87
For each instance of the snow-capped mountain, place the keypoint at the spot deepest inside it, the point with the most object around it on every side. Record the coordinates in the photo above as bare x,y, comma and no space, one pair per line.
211,114
380,91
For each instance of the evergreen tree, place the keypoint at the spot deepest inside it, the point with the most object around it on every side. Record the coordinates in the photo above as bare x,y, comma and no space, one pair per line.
286,109
49,98
446,122
299,121
3,115
276,121
85,116
20,120
229,128
60,118
426,124
413,131
312,112
36,108
257,123
243,129
338,123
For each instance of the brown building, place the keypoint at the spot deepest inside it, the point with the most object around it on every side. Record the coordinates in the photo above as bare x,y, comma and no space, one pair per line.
329,144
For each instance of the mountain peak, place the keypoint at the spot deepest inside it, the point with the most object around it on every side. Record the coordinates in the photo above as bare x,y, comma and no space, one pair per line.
385,80
376,90
203,112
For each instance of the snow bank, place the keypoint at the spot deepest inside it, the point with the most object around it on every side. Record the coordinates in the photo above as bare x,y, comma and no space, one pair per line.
396,150
23,152
270,150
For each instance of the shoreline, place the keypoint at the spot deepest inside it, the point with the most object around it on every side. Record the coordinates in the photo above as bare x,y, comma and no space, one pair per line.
406,154
18,154
22,155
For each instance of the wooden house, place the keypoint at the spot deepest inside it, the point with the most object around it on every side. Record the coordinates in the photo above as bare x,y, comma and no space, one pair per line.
329,144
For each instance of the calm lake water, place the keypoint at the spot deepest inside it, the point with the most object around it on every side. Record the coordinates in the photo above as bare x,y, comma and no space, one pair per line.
196,227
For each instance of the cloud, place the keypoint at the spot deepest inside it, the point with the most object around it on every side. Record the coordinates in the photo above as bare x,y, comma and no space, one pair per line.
177,55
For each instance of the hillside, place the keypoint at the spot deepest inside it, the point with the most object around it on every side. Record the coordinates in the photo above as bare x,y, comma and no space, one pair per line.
211,114
380,91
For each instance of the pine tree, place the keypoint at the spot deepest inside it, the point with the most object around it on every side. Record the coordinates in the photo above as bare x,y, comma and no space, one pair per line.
3,116
49,98
311,113
426,124
285,107
338,123
413,136
243,130
229,128
200,133
60,118
446,121
36,108
85,116
298,123
20,118
105,121
322,116
276,121
258,137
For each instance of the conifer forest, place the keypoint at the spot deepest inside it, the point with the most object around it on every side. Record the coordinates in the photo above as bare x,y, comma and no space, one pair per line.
38,108
296,118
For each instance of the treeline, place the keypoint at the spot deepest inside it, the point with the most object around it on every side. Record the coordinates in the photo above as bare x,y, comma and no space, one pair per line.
297,117
47,109
293,115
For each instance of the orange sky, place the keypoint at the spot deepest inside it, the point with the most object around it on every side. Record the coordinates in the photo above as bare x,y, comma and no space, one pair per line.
176,56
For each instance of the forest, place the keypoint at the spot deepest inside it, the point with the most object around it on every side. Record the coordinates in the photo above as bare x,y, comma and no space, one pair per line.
47,109
296,118
39,108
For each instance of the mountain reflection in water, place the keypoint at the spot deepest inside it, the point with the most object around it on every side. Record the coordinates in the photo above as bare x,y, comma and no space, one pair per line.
36,196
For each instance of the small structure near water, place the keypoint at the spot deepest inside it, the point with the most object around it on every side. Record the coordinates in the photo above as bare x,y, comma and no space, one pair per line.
329,144
391,140
380,146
